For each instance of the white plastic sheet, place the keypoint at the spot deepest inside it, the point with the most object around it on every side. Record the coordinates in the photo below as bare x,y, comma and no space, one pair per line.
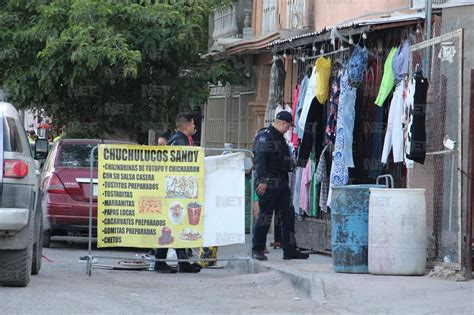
224,200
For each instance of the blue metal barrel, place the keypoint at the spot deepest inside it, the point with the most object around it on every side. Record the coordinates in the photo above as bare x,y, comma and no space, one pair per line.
349,223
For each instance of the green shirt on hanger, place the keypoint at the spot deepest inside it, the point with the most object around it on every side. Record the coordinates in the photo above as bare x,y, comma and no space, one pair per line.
313,188
388,79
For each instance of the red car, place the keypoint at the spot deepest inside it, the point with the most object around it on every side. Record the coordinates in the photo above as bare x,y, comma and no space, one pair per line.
65,183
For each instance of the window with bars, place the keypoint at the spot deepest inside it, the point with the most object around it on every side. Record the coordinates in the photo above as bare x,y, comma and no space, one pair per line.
269,21
295,13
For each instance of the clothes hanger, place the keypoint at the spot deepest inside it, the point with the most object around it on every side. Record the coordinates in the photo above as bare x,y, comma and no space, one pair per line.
348,42
309,69
338,61
418,73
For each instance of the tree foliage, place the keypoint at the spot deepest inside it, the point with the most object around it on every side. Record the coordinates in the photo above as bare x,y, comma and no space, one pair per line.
105,64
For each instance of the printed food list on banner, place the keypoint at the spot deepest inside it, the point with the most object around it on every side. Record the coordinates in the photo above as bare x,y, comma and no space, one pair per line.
150,196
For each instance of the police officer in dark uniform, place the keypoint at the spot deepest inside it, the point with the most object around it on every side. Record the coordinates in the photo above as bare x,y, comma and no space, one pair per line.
272,163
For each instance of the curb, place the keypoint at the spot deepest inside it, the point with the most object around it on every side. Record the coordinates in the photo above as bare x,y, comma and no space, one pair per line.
311,286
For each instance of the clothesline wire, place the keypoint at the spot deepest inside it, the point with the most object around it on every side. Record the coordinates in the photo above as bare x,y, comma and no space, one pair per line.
345,40
329,53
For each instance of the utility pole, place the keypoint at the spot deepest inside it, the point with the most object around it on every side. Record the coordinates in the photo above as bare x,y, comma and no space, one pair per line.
428,31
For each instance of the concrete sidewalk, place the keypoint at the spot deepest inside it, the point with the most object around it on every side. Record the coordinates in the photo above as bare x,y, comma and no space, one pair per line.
344,293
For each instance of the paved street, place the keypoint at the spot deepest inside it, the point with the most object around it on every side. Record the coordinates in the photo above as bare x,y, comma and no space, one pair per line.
63,288
281,287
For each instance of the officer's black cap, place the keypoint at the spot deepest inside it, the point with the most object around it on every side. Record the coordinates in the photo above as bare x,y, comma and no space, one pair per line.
285,116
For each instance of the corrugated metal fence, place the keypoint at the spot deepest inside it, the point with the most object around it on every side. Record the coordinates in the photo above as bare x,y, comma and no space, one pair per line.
228,118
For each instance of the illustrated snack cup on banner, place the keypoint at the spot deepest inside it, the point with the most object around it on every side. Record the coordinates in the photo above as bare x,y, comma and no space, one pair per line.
194,213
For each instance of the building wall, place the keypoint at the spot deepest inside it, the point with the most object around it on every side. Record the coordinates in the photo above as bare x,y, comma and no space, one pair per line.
282,13
333,12
282,21
262,64
257,17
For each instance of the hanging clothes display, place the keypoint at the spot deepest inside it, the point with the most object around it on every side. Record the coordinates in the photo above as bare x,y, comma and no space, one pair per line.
416,149
348,116
323,74
313,187
313,135
323,177
310,122
394,133
302,95
394,136
357,65
400,61
308,100
294,135
306,177
276,89
314,197
296,93
339,170
388,79
408,96
296,194
332,110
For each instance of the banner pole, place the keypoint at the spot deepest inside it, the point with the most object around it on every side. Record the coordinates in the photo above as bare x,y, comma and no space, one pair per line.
91,192
252,183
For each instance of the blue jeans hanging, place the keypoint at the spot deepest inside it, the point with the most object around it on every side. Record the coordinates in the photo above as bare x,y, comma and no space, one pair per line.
348,112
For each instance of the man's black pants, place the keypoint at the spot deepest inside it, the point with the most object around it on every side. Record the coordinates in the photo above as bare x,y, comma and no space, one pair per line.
161,253
275,198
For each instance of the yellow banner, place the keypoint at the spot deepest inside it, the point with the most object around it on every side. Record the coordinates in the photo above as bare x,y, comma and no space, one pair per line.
150,196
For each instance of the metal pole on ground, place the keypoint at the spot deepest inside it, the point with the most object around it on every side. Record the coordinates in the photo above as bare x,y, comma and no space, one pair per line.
252,187
91,193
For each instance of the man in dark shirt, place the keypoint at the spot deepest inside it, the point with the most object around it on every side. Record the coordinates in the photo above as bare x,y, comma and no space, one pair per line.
185,129
272,163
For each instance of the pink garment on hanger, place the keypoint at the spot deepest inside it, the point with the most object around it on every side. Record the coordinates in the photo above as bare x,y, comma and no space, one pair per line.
294,135
305,186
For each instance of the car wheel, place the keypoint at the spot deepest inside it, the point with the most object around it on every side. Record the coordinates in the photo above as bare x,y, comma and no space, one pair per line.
37,252
15,265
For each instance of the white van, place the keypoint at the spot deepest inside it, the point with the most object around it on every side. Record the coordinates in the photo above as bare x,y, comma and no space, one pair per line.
20,208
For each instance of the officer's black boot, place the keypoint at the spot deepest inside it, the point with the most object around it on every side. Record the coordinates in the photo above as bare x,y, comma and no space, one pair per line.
294,254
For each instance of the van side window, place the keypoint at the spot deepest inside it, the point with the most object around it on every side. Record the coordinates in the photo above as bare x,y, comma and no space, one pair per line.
11,136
